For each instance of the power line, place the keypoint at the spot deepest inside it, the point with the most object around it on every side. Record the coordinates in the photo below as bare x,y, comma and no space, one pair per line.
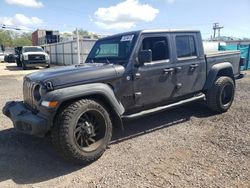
14,28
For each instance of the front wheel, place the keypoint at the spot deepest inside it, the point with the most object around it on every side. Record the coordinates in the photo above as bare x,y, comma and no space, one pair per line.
220,97
82,131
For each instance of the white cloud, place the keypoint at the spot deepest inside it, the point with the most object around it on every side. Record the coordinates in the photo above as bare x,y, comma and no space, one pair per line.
20,21
170,1
124,15
26,3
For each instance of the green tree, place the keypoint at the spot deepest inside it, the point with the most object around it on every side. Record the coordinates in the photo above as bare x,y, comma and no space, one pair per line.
82,33
12,39
24,39
86,34
6,38
22,42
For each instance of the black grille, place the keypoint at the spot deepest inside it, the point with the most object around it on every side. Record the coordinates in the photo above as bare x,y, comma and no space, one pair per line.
36,57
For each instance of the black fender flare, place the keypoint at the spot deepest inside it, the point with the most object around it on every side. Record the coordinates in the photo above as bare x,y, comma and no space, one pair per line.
227,69
84,91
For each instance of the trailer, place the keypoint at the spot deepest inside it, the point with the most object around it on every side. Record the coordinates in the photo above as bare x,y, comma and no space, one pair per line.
66,53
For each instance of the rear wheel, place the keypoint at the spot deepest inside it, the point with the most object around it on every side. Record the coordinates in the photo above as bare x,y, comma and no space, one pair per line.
82,131
220,97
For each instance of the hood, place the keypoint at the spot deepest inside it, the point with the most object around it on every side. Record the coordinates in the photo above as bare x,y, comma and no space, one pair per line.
66,76
35,53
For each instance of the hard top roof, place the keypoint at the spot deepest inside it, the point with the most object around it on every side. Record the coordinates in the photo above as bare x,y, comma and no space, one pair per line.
153,31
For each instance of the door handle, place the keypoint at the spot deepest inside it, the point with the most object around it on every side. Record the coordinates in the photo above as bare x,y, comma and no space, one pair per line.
193,67
168,70
178,69
137,76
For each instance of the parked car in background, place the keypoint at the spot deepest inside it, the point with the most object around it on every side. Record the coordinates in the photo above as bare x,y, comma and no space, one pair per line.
31,56
2,49
10,55
2,57
10,58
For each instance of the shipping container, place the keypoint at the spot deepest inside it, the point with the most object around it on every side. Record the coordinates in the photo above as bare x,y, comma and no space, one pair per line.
65,53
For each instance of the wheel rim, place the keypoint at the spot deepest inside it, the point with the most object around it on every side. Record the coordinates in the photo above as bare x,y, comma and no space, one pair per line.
90,130
227,94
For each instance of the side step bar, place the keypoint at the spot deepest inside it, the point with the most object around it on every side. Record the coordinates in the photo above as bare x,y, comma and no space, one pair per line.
161,108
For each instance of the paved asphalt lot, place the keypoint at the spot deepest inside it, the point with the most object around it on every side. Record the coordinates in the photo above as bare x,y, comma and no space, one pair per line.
183,147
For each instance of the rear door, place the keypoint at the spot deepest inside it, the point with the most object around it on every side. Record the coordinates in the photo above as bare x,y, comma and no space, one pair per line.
154,82
190,63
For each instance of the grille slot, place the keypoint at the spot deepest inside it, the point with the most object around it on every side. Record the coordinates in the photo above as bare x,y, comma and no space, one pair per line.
28,93
36,57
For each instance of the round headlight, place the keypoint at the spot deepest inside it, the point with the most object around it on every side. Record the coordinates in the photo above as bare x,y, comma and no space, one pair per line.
37,92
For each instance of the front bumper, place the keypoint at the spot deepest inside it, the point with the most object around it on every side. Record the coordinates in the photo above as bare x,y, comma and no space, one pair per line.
33,63
25,120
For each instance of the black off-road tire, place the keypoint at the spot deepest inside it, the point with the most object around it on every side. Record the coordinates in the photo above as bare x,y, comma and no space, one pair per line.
214,98
63,132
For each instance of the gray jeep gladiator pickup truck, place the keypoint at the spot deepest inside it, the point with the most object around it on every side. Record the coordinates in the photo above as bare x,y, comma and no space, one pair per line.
128,75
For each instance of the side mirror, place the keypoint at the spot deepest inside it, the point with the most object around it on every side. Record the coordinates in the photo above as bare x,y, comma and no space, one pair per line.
145,56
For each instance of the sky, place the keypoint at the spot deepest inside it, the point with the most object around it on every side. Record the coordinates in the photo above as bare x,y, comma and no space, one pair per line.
115,16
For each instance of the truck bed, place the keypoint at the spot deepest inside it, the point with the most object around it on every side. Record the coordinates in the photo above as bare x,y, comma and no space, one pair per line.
232,57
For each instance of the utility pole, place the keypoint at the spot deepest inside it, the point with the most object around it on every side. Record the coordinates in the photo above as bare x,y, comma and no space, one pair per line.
215,28
78,47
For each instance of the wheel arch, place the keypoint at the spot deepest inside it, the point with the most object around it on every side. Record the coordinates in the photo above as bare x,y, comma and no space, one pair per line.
217,70
101,93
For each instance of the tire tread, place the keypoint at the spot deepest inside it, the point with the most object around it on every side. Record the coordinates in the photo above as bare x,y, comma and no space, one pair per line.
212,96
60,133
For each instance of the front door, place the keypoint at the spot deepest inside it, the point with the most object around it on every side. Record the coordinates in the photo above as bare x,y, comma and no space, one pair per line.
154,82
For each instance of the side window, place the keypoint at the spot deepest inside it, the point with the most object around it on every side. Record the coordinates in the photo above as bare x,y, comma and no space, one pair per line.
185,46
158,46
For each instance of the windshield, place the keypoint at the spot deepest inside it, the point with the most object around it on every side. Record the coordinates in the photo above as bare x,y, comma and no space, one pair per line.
117,48
32,49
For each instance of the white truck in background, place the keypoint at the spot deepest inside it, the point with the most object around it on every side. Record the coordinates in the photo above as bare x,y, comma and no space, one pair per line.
31,56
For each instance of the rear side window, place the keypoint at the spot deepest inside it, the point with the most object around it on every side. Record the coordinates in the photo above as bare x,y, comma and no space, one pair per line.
185,46
158,46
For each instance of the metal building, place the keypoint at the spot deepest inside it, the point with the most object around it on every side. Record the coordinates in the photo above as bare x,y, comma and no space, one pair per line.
41,37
